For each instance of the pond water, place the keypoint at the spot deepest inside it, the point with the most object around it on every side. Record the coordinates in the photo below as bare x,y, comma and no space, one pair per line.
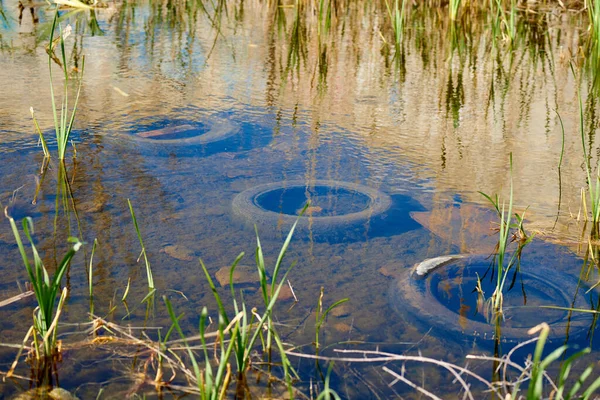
390,145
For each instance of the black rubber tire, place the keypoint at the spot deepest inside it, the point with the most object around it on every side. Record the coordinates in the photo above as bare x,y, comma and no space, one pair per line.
218,129
244,205
412,294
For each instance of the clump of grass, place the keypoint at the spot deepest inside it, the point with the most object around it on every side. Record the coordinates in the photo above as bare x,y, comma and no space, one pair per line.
242,331
508,20
397,17
535,388
211,384
63,120
45,288
594,16
504,264
593,184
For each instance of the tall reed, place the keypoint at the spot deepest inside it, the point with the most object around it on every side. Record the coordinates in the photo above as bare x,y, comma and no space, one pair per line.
593,184
503,263
594,16
453,7
63,120
508,20
397,18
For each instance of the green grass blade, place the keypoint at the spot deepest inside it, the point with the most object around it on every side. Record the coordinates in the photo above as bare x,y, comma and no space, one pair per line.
213,288
591,389
175,322
91,277
139,235
285,246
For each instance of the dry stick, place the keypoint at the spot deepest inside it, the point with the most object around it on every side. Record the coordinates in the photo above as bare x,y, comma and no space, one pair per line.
369,385
211,334
514,365
384,357
14,364
450,367
118,329
511,352
23,378
409,383
16,298
292,290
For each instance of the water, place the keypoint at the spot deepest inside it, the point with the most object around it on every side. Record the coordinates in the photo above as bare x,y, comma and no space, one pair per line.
429,129
324,200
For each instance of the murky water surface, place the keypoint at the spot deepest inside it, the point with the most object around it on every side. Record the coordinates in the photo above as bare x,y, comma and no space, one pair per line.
180,117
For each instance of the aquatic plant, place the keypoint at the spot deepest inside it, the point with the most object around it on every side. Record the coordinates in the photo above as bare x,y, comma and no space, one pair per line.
593,8
327,393
142,253
211,385
397,18
592,184
536,385
298,49
508,19
3,17
63,121
46,316
40,134
324,15
453,6
321,315
502,267
243,330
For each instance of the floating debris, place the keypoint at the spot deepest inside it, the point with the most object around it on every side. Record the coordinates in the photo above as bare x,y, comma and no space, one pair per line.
16,298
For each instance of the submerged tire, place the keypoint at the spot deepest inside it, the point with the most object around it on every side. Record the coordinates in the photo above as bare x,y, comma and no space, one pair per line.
426,294
250,204
211,130
182,136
